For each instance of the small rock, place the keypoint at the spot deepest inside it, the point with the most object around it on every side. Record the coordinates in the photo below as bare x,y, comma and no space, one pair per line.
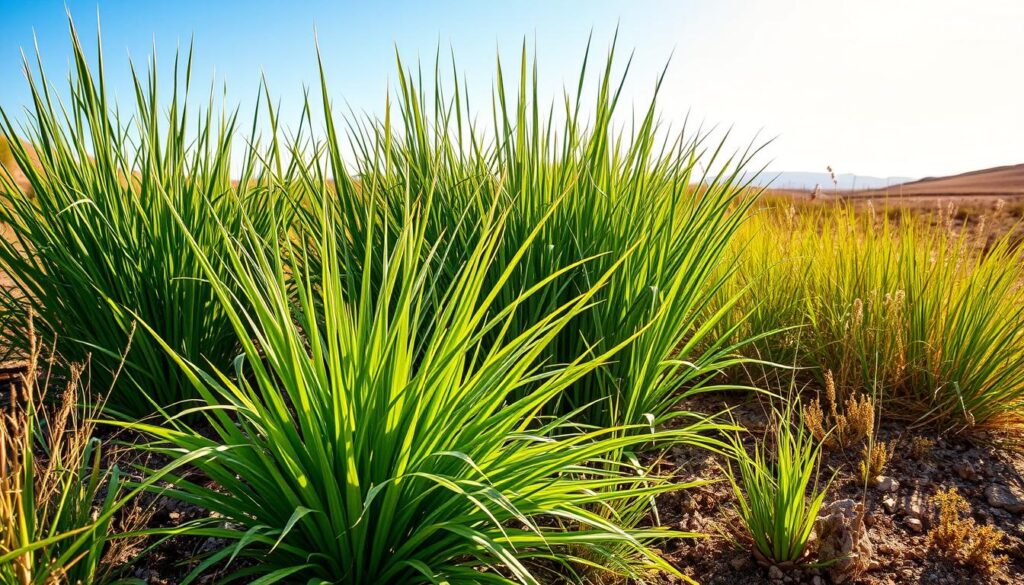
886,484
739,563
174,515
965,471
915,505
914,525
775,573
841,536
211,544
999,496
817,581
889,503
846,506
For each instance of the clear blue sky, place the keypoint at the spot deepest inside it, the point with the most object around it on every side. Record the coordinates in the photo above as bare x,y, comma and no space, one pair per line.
872,87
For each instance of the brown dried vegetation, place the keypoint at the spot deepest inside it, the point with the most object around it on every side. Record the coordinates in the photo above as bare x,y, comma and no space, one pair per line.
957,536
840,429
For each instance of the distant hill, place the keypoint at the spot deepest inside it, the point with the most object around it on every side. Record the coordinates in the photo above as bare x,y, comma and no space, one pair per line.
1007,180
7,161
5,152
807,181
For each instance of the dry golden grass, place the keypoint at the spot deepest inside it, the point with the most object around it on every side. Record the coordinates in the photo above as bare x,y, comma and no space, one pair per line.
908,308
58,497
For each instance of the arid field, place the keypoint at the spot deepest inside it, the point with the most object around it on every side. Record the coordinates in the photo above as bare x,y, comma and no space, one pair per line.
410,349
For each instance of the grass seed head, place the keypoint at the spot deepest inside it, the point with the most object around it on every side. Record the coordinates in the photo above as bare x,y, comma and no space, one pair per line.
873,459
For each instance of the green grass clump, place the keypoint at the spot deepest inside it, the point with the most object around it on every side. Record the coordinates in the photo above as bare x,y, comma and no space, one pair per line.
101,242
439,370
353,445
778,503
661,205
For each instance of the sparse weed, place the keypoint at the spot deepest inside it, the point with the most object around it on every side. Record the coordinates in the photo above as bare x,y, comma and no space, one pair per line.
921,447
957,536
981,547
874,456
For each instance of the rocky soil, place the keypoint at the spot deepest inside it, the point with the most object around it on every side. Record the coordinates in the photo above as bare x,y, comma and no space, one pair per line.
893,548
